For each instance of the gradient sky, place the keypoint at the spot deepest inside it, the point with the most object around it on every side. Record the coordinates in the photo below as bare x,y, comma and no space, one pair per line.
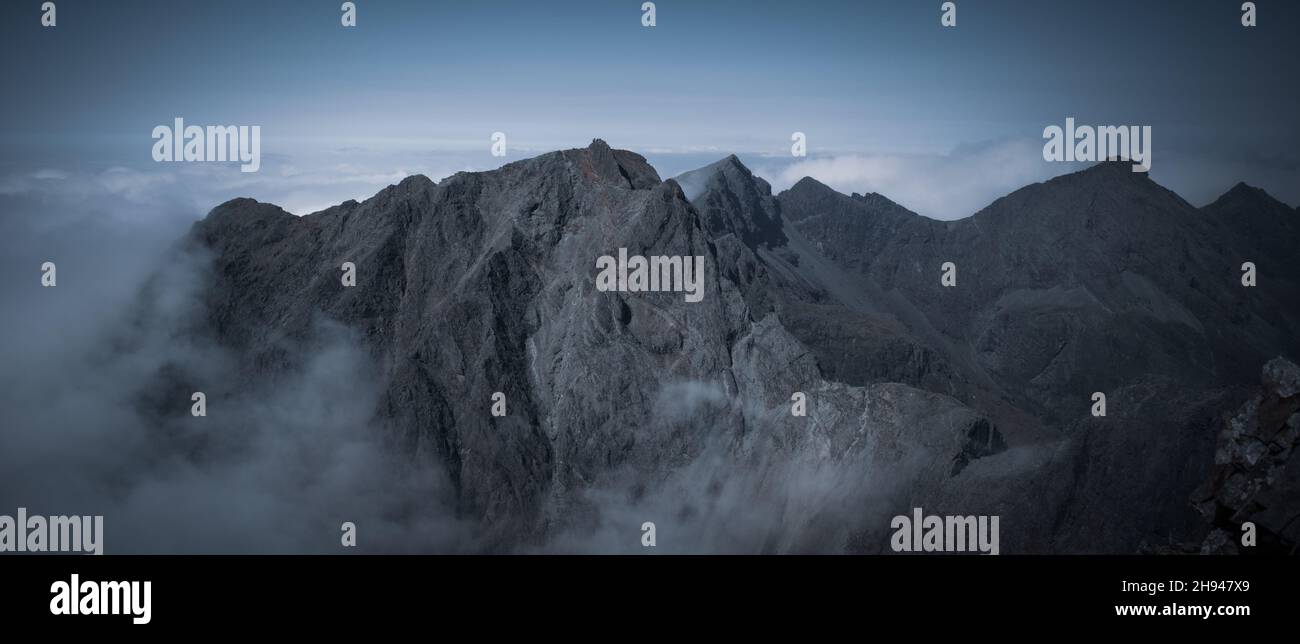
940,120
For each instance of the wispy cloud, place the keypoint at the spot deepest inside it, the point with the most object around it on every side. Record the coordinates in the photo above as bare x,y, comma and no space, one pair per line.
942,186
300,184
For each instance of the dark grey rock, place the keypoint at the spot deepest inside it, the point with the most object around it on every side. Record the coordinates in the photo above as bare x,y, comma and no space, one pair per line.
1256,473
632,407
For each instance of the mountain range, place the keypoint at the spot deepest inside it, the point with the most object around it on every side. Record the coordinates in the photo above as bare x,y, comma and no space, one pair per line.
624,408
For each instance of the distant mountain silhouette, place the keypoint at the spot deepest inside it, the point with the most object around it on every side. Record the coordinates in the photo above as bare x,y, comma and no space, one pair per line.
629,407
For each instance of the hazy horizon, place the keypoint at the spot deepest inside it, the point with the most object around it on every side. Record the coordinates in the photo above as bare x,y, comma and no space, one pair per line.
890,101
756,374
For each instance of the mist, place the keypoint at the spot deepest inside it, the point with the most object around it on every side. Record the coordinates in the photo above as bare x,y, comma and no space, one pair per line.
96,401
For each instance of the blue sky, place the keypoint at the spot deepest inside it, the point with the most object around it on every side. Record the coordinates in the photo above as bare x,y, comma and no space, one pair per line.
940,120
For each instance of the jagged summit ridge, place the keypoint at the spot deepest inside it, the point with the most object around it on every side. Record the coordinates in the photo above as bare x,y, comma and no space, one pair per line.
599,161
483,283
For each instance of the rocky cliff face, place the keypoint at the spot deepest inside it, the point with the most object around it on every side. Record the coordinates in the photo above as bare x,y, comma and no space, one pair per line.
625,407
1255,479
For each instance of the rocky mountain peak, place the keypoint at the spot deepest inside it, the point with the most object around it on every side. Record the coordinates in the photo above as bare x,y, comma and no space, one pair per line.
486,282
243,216
1243,195
730,171
732,200
617,167
809,197
809,185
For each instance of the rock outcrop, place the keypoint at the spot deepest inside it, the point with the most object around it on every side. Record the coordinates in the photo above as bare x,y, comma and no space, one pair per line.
625,407
1256,475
